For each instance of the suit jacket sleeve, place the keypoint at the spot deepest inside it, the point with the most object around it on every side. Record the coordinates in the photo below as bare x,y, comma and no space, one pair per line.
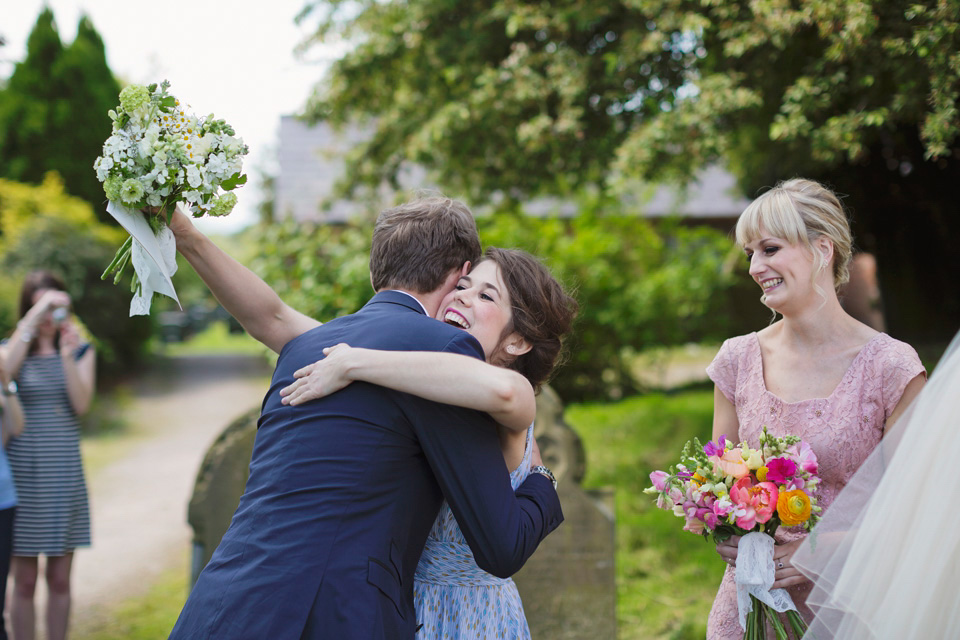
503,528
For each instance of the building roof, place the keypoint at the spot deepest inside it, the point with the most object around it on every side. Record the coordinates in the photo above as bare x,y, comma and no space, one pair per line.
311,159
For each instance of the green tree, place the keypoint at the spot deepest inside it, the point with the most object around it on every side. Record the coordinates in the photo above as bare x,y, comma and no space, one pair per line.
53,112
521,98
42,227
636,285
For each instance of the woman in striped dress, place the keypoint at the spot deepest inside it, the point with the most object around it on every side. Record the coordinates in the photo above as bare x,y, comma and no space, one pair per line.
55,376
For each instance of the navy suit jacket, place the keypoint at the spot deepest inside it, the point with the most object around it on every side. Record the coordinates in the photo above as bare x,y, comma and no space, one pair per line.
344,490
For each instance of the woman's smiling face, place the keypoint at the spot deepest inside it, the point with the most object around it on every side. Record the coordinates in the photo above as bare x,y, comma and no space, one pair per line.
784,271
480,305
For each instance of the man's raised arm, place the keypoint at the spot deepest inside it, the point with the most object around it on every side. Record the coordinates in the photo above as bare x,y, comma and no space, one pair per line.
241,292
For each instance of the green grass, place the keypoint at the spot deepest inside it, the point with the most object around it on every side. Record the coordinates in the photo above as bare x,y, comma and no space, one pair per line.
666,577
147,617
106,434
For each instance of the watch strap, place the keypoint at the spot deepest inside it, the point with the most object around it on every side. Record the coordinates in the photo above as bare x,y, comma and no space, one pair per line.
542,470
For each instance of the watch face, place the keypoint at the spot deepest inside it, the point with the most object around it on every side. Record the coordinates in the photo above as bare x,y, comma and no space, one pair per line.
11,388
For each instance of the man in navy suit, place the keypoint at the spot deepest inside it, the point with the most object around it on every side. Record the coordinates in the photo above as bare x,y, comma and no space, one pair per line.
343,490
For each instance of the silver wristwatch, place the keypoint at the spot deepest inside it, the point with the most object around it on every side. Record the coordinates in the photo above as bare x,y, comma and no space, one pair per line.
9,389
542,470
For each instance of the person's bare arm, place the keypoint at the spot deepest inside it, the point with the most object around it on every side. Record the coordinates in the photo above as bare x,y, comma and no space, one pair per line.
909,394
80,374
725,421
12,418
441,377
17,348
242,293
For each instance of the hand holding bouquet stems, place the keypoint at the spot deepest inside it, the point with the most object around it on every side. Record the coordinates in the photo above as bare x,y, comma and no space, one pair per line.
722,490
158,155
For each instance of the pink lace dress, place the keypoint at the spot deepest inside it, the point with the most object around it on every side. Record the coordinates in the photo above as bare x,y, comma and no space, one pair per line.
842,429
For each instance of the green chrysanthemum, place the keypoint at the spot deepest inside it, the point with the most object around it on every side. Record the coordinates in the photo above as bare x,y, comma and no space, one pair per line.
224,205
112,186
134,97
131,191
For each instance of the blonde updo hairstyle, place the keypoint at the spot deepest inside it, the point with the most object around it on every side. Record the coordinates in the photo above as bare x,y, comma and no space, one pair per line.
800,211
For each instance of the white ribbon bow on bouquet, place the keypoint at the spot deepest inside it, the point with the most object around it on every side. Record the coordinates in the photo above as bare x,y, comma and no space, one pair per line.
755,575
154,257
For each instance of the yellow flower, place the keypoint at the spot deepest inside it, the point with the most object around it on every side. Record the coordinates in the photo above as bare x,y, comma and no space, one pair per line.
762,474
793,507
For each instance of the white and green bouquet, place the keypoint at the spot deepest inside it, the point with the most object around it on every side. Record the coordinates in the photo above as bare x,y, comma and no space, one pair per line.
159,155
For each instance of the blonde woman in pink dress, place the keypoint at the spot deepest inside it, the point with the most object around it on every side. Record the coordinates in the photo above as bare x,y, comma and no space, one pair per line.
816,373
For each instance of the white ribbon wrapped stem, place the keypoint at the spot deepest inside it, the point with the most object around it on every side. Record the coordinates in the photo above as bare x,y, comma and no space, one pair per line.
154,257
755,575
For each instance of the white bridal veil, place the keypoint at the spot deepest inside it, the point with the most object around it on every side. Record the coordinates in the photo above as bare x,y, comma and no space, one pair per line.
885,559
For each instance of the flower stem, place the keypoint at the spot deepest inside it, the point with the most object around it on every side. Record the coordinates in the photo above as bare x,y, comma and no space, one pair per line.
796,623
761,609
121,255
777,625
122,265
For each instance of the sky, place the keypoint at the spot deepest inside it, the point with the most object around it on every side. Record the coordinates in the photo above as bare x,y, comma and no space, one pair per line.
233,59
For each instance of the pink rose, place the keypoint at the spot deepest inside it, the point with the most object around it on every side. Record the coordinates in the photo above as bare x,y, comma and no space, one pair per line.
731,463
758,501
746,516
722,508
765,500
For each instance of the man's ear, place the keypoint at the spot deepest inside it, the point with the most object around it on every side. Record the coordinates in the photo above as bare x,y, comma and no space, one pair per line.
516,345
465,269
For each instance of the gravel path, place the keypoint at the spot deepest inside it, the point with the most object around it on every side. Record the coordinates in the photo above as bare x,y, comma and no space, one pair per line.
139,503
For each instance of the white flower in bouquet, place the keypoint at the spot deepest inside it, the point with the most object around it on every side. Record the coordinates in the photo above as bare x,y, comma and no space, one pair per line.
158,155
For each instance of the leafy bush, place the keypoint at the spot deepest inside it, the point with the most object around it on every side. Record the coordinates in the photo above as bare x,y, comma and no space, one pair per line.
320,270
44,228
638,285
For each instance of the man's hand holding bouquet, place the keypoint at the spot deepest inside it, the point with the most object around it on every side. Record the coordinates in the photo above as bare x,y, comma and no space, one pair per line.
158,155
722,490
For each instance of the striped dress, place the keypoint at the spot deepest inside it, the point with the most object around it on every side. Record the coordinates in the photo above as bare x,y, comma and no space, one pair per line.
53,516
457,600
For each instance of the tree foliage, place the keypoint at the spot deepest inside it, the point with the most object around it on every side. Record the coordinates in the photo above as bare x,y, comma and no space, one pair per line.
636,285
42,227
542,96
515,98
53,111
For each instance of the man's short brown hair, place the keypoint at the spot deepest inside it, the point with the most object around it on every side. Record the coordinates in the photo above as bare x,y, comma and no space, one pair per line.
416,245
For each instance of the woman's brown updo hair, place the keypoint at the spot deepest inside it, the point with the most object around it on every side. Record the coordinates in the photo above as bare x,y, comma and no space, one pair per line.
543,313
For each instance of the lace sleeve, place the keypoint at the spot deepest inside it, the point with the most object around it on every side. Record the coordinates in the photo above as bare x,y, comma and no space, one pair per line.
901,364
723,369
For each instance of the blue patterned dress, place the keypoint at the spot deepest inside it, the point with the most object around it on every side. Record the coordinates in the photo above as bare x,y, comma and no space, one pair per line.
457,600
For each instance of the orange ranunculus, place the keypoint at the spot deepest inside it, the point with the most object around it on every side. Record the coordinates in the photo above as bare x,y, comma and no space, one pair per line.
793,507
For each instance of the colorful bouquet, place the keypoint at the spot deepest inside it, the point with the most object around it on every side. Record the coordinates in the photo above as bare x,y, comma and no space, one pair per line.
158,155
722,490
